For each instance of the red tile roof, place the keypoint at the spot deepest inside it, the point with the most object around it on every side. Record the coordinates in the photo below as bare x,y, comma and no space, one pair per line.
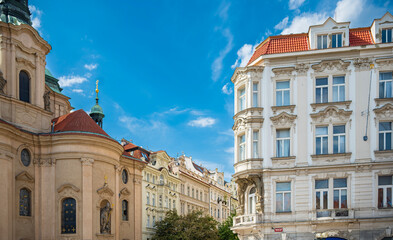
299,42
360,36
77,121
281,44
129,146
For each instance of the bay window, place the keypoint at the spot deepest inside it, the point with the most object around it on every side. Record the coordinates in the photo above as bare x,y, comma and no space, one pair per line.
242,99
242,147
255,95
251,201
255,137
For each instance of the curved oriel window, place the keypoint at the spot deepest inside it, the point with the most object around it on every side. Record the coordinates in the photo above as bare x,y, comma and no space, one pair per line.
24,202
24,86
251,201
68,216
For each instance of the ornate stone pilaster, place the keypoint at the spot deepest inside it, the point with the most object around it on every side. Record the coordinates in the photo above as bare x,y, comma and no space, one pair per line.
45,162
87,197
362,64
87,161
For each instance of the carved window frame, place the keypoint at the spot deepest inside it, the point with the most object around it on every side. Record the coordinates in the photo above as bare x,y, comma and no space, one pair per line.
330,85
274,181
31,192
19,152
63,192
330,126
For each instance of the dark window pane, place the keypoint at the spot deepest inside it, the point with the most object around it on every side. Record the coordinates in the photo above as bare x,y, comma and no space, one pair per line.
339,44
385,126
381,142
24,87
388,141
325,94
321,81
380,197
318,200
339,182
336,199
343,198
283,186
24,202
125,210
320,184
325,200
384,180
338,129
381,89
68,216
384,35
334,40
389,197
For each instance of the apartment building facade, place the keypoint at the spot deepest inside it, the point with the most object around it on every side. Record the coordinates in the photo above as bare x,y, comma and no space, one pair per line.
313,132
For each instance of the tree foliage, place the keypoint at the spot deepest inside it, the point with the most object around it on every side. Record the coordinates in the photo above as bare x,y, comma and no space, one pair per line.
193,226
224,229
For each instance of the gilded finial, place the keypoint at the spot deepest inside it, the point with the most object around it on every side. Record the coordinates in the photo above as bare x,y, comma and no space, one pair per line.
97,86
106,179
371,66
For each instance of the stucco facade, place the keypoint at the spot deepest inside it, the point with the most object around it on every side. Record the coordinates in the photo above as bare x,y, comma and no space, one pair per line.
58,170
313,158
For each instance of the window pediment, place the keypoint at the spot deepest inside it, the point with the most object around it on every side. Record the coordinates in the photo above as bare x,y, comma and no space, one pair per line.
67,186
283,119
331,114
125,191
362,64
331,65
105,190
284,71
24,176
385,112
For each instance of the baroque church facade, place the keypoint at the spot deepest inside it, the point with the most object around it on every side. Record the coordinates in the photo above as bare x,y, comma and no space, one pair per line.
62,176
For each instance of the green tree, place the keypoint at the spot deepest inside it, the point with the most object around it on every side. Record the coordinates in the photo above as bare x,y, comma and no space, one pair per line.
224,229
193,226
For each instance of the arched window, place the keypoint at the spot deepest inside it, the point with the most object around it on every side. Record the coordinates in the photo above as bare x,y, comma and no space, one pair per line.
24,86
68,216
251,201
124,210
24,202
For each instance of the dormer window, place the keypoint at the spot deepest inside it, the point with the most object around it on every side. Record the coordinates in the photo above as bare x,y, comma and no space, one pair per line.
337,40
322,41
386,35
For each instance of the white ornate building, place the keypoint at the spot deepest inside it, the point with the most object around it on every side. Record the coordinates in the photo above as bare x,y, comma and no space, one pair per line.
313,133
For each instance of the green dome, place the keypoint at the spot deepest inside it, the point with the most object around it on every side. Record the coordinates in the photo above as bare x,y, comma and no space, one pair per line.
47,72
97,109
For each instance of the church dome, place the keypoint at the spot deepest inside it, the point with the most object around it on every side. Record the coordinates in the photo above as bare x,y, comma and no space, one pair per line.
97,109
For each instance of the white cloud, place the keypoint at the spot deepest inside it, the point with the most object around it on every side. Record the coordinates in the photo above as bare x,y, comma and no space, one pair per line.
91,66
226,89
67,81
35,16
77,90
217,63
137,126
202,122
348,10
301,23
223,10
230,150
88,75
283,24
243,55
294,4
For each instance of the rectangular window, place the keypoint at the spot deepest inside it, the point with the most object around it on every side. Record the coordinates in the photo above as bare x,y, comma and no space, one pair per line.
242,99
255,143
282,93
340,193
154,179
154,221
385,136
148,198
385,185
339,139
322,41
339,89
283,197
321,140
385,84
148,177
321,90
174,204
148,221
386,35
160,201
255,95
321,197
242,147
188,191
154,200
283,143
197,194
337,40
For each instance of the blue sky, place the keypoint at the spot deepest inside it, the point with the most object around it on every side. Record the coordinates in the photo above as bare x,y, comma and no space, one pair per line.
165,66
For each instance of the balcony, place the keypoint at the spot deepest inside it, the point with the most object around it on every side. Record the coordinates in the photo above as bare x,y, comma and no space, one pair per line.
248,164
334,213
245,220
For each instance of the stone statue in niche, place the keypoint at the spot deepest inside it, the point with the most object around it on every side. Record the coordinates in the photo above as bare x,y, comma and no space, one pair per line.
47,100
105,219
3,82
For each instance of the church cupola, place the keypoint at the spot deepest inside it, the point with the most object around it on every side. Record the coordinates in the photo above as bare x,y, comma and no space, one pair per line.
96,112
15,12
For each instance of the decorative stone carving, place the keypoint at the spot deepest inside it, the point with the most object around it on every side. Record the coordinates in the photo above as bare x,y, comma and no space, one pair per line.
241,73
384,62
331,65
284,71
137,181
25,62
47,162
24,176
243,183
239,124
47,100
302,68
105,191
3,82
331,114
362,64
125,191
283,119
66,186
87,161
385,112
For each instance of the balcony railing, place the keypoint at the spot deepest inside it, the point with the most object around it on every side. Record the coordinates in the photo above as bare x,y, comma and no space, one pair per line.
247,219
334,213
